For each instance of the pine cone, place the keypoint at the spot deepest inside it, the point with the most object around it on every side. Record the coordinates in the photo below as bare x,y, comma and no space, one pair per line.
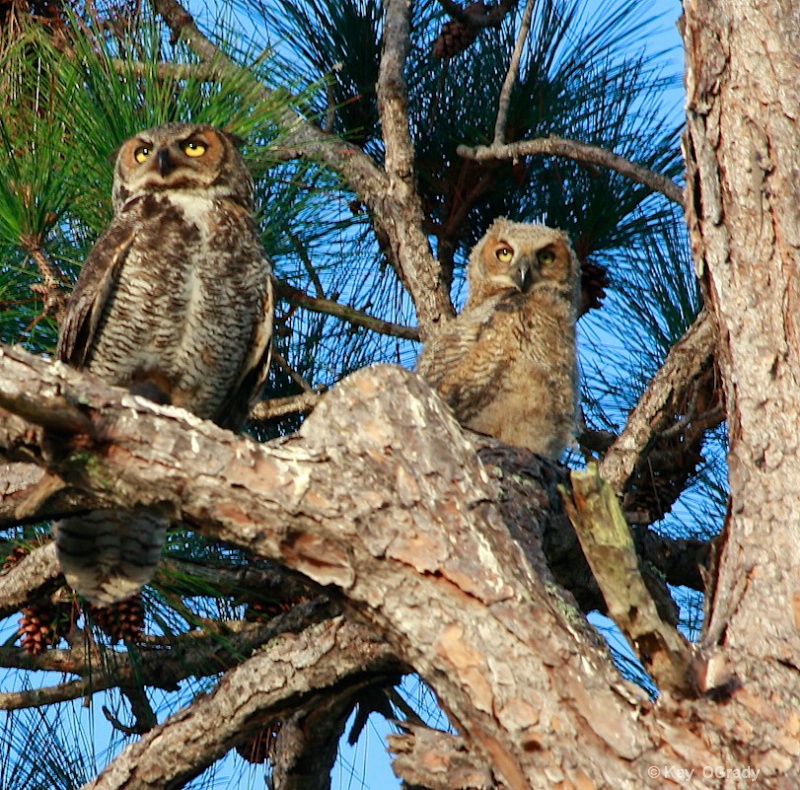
260,747
456,36
122,620
594,281
22,550
42,623
36,629
454,39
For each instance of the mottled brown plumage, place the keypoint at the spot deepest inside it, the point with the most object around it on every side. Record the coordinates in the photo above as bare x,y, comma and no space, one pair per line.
507,364
175,303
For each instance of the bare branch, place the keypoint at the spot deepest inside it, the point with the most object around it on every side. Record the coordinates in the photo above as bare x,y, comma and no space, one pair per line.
511,76
276,408
686,362
309,267
279,360
51,288
345,312
423,281
580,152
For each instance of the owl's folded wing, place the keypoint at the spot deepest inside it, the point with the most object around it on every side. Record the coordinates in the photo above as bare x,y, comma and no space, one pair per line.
86,304
236,406
464,361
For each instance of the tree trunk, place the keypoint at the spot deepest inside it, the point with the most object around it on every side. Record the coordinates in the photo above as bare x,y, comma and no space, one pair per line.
741,146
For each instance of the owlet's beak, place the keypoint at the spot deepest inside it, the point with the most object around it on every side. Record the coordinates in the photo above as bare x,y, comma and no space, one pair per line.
524,275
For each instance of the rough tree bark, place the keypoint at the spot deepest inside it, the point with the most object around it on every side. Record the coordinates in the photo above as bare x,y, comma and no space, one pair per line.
380,498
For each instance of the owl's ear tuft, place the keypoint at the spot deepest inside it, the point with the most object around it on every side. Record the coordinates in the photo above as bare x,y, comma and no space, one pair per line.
238,141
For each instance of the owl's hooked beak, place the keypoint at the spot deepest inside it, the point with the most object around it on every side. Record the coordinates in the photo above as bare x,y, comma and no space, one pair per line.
164,162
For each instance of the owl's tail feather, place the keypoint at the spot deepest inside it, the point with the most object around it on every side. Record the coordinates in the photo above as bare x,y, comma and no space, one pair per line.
109,555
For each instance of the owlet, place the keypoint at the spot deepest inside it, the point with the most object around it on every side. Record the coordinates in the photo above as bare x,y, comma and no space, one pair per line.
507,365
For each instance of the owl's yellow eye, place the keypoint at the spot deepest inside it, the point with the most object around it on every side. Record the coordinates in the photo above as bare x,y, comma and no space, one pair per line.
193,148
504,254
546,256
141,154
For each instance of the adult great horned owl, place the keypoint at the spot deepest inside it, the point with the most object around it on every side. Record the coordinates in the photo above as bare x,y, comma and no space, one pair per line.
507,364
175,303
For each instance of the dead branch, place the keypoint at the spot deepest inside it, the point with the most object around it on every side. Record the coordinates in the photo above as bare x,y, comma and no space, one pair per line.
511,77
330,307
609,548
275,408
579,152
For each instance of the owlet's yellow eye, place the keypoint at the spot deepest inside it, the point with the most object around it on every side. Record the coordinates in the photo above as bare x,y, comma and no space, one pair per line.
504,254
193,148
546,256
141,154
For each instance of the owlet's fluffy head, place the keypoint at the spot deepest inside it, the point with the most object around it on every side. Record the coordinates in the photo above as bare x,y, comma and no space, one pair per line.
181,157
518,256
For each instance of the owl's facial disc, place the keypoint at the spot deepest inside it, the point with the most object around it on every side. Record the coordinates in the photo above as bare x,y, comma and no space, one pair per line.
184,162
511,268
197,160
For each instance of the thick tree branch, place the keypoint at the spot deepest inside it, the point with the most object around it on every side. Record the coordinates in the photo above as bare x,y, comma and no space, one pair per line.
379,495
400,168
29,494
32,576
687,362
437,760
580,152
